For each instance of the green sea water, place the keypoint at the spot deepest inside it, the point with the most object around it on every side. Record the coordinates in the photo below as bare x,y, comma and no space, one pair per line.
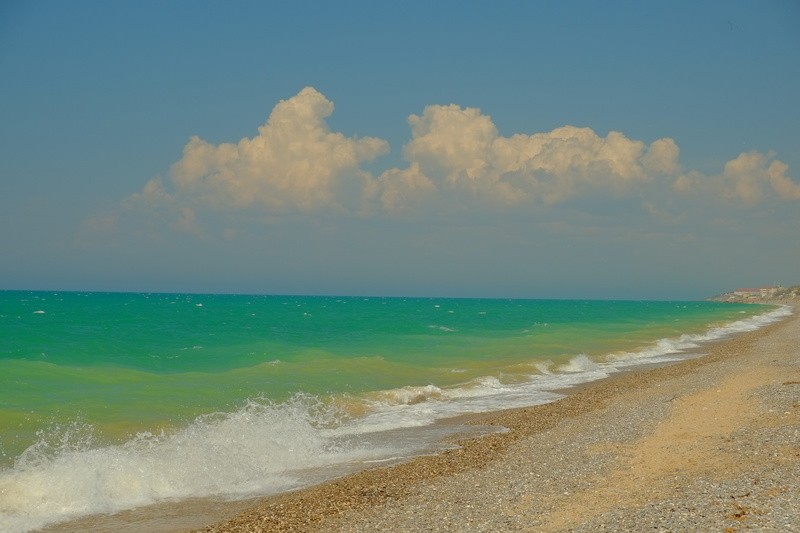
99,373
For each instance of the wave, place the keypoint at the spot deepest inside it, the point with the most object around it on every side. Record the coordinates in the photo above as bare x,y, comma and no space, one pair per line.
262,448
440,328
664,349
266,448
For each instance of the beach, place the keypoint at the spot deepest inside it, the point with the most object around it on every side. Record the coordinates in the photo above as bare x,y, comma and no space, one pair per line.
707,444
187,410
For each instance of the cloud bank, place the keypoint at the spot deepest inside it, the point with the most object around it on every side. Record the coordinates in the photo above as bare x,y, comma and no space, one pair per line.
455,159
295,162
459,149
748,179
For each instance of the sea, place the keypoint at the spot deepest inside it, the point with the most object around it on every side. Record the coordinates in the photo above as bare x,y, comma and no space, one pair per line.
113,401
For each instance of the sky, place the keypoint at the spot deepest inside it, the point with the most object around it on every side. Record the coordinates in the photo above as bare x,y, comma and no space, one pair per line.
636,150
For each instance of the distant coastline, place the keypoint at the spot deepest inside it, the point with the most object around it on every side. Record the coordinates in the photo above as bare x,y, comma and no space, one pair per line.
762,295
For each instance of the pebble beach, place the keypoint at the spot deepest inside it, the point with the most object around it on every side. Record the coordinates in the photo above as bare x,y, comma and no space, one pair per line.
707,444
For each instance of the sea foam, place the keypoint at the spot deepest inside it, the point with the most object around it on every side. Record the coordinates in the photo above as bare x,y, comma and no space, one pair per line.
262,448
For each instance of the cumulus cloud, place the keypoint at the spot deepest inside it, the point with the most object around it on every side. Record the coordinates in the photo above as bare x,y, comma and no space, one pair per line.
460,148
295,162
455,158
662,157
402,189
451,140
748,179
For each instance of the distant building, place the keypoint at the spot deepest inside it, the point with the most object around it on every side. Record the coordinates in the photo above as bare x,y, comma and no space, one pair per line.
751,294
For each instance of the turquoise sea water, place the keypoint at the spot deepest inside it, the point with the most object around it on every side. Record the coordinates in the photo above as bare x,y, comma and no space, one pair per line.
112,400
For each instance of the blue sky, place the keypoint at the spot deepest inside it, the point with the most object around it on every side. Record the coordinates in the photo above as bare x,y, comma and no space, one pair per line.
513,149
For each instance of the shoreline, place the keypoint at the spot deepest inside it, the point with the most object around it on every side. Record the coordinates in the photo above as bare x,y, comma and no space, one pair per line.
419,494
445,492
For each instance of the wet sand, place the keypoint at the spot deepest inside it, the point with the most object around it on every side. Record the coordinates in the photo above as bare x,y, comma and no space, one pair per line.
708,444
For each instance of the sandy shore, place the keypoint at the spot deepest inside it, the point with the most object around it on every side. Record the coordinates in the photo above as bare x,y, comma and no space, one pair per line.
709,444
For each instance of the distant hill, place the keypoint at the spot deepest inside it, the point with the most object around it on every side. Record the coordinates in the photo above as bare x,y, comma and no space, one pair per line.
760,295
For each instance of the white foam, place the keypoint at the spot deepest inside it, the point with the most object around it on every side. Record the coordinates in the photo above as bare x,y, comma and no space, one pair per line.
663,349
580,363
260,449
408,395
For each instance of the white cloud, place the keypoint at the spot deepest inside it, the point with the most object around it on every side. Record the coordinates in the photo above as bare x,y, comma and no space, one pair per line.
295,162
453,141
662,157
781,183
460,148
403,189
748,179
456,158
